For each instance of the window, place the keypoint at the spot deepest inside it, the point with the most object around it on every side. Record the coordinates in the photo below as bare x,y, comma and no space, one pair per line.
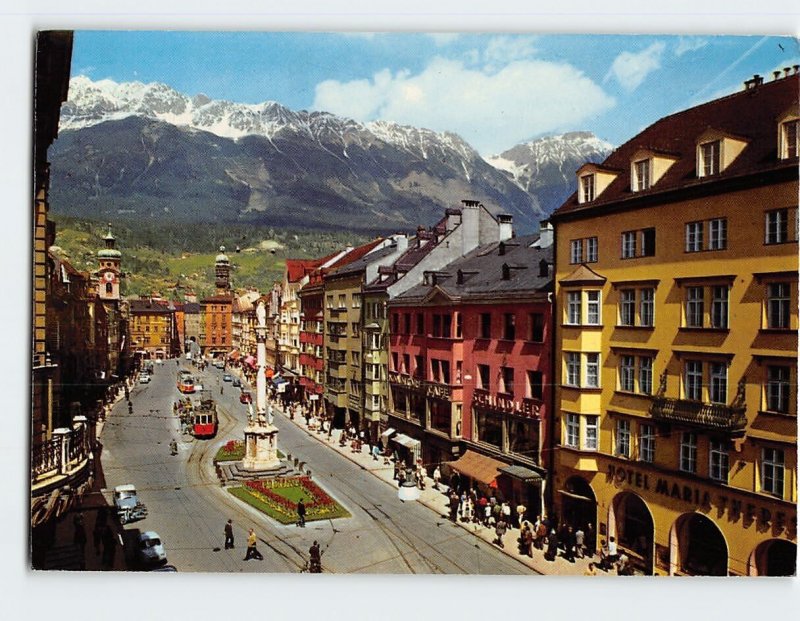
718,234
395,364
537,327
587,188
435,370
593,370
590,442
688,452
447,325
572,424
406,323
486,325
709,158
342,300
535,385
445,378
626,373
509,326
437,325
694,307
719,307
573,369
778,389
647,307
629,244
718,391
693,380
649,242
591,250
396,323
627,309
508,379
645,375
718,461
777,226
574,307
576,251
406,363
641,171
483,376
772,471
419,366
623,446
420,324
647,443
356,301
459,325
778,305
694,236
789,140
593,308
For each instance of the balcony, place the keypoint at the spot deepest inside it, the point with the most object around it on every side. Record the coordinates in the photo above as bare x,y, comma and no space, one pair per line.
712,416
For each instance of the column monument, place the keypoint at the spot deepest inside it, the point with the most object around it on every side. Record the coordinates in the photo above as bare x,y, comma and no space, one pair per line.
260,435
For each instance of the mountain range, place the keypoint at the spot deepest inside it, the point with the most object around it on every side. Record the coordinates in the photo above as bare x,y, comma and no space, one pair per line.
133,150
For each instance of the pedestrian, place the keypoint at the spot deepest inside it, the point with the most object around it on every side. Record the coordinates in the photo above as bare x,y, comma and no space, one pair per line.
229,535
454,502
252,550
437,476
401,477
590,540
301,514
569,545
487,514
524,529
590,570
528,539
375,452
552,546
505,509
624,567
580,538
521,509
500,531
79,535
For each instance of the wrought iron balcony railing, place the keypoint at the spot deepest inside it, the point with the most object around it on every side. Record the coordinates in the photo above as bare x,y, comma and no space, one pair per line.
716,416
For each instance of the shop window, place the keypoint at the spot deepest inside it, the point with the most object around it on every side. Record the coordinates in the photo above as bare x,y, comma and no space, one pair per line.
490,428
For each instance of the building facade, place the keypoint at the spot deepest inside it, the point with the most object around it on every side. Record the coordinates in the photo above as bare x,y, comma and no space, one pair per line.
676,373
152,328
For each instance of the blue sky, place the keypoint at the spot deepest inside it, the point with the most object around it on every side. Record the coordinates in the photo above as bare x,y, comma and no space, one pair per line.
495,90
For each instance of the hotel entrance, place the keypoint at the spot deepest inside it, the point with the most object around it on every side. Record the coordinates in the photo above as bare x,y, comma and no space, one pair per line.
579,508
630,522
697,547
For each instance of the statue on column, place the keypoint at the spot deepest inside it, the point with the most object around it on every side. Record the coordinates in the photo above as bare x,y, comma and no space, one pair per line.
270,417
250,414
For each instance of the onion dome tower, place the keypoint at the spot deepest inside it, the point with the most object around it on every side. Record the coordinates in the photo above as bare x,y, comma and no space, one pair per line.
222,271
109,270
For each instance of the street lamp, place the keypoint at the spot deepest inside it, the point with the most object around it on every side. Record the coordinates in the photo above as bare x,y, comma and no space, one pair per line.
408,490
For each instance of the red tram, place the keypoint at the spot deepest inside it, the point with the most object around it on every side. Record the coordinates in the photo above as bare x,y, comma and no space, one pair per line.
185,382
204,419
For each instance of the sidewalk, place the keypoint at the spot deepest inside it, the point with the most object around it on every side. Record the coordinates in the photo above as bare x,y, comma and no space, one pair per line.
438,501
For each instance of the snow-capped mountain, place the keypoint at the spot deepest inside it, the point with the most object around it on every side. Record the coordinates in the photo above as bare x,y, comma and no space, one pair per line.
546,166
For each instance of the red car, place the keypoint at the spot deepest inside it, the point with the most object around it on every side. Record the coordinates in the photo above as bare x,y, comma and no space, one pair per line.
245,397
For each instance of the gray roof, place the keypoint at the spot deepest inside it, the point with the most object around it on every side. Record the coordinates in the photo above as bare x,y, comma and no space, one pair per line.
483,272
362,263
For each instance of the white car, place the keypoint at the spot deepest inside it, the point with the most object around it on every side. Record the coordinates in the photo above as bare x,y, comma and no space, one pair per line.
150,549
144,378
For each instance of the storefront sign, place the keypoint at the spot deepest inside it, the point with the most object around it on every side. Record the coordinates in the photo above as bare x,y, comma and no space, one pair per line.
503,403
699,497
437,391
403,380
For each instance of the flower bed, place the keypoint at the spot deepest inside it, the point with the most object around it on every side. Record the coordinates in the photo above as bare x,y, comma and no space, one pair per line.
278,498
233,450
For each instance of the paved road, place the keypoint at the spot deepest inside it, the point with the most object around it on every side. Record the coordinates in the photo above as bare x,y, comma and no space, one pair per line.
188,507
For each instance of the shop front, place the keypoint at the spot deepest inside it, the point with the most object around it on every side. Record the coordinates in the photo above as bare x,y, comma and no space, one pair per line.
474,470
521,485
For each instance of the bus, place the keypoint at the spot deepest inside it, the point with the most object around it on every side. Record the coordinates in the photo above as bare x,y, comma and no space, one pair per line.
204,419
185,382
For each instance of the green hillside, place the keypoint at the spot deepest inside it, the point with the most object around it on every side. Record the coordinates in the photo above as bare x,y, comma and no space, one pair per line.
171,258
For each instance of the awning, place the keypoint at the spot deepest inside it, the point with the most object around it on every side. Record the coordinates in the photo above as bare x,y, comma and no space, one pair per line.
406,441
523,474
250,361
575,496
278,380
387,433
476,466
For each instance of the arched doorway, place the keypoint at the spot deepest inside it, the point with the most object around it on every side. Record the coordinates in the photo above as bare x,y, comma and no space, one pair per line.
776,557
697,547
630,521
579,508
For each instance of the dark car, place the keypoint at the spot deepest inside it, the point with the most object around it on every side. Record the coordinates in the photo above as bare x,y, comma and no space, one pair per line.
245,397
237,383
227,377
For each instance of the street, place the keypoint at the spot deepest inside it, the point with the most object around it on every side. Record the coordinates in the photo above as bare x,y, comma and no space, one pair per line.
188,507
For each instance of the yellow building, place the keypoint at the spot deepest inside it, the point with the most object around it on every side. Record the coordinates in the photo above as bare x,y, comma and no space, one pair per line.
676,341
152,328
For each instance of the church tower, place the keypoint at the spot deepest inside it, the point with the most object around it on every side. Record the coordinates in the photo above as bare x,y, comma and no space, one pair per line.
109,272
222,272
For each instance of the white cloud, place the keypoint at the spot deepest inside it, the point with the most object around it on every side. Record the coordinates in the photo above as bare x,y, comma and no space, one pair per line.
630,69
492,110
443,38
503,50
689,44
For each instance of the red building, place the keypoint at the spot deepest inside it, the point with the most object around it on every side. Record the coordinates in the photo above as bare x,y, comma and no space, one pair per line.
470,367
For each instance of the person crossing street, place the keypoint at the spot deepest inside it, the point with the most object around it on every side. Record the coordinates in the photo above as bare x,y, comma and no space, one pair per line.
229,535
252,550
301,514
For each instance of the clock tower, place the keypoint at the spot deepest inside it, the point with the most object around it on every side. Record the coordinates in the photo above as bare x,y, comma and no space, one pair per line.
109,272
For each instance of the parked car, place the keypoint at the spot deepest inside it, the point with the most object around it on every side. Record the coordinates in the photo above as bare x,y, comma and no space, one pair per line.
127,504
245,397
150,549
227,377
144,378
220,364
237,383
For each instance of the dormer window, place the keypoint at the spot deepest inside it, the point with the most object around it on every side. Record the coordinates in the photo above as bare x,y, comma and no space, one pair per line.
506,272
641,173
710,158
789,142
587,188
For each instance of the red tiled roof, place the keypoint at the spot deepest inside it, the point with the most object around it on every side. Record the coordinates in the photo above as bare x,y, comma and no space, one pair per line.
752,114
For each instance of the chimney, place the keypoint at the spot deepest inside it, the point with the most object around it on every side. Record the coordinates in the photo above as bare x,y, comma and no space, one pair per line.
796,68
453,218
505,229
545,234
776,75
786,71
402,243
470,225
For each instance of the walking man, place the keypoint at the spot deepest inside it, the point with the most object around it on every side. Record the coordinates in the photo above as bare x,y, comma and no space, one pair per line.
500,530
437,476
301,514
229,535
252,551
579,542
